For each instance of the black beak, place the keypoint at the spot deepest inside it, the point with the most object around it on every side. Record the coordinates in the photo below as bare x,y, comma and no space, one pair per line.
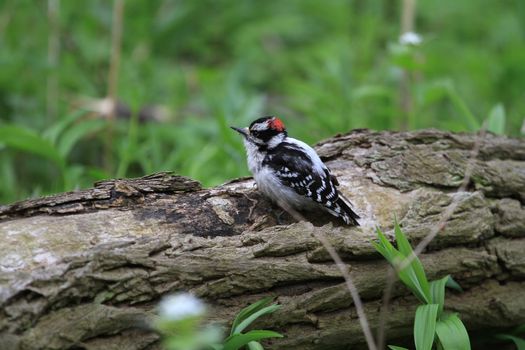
242,131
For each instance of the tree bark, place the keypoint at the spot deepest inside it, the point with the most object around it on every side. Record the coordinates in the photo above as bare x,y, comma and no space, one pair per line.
85,269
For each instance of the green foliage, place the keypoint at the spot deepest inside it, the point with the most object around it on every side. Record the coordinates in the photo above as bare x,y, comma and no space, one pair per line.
452,333
413,275
237,341
425,326
182,330
519,342
246,317
430,319
324,66
517,336
496,120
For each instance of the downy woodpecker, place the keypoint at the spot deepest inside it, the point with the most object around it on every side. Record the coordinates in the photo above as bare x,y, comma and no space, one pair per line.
290,172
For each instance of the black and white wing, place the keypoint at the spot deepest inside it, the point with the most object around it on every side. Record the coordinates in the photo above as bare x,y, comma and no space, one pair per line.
310,178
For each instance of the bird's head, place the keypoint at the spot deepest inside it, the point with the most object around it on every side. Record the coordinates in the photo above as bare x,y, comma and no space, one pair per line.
264,132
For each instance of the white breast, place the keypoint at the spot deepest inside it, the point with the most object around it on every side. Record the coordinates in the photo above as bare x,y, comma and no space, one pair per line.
270,185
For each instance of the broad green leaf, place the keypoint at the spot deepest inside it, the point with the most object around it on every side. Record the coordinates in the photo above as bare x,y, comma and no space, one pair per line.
437,292
247,311
248,320
425,326
236,341
452,333
253,345
496,119
28,141
519,342
393,347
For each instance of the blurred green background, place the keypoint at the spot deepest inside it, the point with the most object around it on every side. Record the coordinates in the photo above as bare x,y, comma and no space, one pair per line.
196,67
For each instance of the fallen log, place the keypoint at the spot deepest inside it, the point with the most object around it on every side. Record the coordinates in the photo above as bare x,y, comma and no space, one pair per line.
85,269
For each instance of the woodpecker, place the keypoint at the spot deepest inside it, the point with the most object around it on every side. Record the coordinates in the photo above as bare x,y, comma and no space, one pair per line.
288,170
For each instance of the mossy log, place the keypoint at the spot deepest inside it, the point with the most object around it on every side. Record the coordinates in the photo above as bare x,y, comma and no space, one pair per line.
86,269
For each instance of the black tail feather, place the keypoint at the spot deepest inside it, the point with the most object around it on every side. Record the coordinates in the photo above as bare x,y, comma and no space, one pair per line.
348,215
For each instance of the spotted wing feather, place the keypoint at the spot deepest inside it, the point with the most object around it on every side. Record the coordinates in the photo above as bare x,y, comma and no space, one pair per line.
295,170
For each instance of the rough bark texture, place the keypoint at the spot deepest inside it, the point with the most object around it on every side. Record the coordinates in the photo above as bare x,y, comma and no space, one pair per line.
85,269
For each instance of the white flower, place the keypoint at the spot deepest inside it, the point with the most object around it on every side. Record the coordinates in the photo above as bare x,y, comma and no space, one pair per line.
181,306
410,38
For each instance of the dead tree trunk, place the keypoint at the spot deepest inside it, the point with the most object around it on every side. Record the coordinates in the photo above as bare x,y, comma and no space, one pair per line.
85,269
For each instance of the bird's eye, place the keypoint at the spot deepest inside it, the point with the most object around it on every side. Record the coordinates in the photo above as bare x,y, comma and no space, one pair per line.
255,132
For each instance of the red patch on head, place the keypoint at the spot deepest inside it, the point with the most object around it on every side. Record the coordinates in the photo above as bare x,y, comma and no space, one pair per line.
276,124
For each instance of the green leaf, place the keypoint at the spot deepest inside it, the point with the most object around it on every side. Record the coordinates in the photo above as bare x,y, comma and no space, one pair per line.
71,136
519,342
384,247
452,284
519,329
393,347
409,277
53,132
253,345
249,310
416,273
402,242
496,119
425,326
452,333
248,320
415,281
28,141
460,104
437,292
236,341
